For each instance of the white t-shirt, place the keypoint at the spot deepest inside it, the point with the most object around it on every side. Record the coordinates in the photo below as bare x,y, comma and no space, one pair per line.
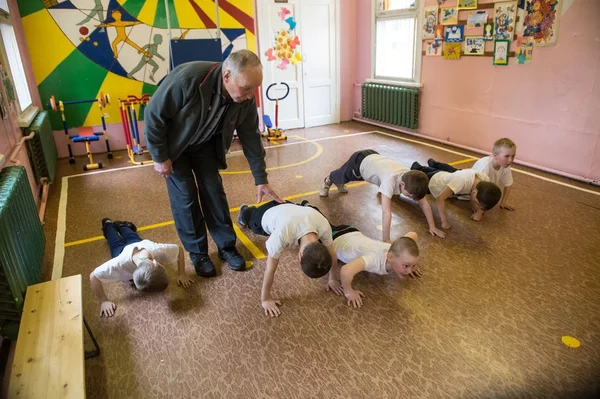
383,172
287,223
351,246
122,267
460,182
501,177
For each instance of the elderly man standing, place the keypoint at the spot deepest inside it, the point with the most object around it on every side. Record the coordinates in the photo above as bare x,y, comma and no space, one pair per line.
189,126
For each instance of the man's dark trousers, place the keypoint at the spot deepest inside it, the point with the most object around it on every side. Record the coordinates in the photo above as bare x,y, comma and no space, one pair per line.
196,175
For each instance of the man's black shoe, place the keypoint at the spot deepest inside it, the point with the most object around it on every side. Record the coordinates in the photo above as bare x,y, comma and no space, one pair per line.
234,260
204,266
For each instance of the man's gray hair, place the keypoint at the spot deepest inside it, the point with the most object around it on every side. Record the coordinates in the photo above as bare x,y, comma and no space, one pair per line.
241,61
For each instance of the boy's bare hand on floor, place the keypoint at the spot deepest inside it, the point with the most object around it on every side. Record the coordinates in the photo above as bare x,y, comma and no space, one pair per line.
335,286
508,207
271,307
354,298
107,309
416,272
434,231
184,281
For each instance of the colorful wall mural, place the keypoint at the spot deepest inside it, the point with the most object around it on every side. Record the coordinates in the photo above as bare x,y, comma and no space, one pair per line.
80,48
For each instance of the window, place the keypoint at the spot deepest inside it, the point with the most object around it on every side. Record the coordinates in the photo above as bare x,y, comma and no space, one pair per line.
397,46
12,55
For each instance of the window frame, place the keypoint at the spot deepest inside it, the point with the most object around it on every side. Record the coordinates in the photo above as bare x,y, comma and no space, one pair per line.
24,116
376,15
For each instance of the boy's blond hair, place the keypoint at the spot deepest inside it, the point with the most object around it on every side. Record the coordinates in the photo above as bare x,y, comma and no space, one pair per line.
149,277
503,143
404,244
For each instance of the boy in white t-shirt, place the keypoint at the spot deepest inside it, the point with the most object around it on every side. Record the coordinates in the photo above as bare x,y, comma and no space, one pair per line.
444,184
496,167
361,253
137,260
391,177
289,226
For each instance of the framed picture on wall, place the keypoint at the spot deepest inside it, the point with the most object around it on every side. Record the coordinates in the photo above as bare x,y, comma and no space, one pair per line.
501,48
474,46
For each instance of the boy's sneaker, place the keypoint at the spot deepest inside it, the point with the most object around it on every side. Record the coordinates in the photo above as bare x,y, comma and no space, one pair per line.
304,203
324,192
431,162
342,188
241,217
120,223
105,222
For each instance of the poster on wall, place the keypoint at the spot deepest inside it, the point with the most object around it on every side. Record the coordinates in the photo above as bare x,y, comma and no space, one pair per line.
474,46
475,22
452,51
433,47
504,20
524,50
449,15
541,21
501,48
431,21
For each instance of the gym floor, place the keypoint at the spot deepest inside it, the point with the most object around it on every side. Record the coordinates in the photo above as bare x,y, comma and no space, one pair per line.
487,319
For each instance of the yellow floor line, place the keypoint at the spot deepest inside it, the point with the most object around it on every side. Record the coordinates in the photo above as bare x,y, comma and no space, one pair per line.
236,209
254,250
307,160
462,161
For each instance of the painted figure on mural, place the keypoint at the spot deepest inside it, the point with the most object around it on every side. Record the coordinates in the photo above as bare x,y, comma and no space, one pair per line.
97,12
120,26
152,49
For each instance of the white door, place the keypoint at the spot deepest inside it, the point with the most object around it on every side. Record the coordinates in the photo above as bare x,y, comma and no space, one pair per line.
317,37
270,23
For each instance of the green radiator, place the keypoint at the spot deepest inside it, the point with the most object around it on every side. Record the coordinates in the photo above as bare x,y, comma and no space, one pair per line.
42,148
22,244
395,105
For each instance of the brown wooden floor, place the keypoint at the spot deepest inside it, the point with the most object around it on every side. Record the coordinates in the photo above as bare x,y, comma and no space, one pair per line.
485,320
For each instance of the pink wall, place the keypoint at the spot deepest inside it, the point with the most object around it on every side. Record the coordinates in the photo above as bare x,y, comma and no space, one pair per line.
348,52
550,108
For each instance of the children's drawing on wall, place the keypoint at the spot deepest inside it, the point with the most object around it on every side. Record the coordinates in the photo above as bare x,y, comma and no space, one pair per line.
431,21
285,47
439,31
541,21
467,4
449,15
454,33
433,47
504,20
475,22
501,48
524,49
474,46
452,51
488,31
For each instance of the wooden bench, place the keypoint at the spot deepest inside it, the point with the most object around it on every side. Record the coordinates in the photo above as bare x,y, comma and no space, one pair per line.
49,356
